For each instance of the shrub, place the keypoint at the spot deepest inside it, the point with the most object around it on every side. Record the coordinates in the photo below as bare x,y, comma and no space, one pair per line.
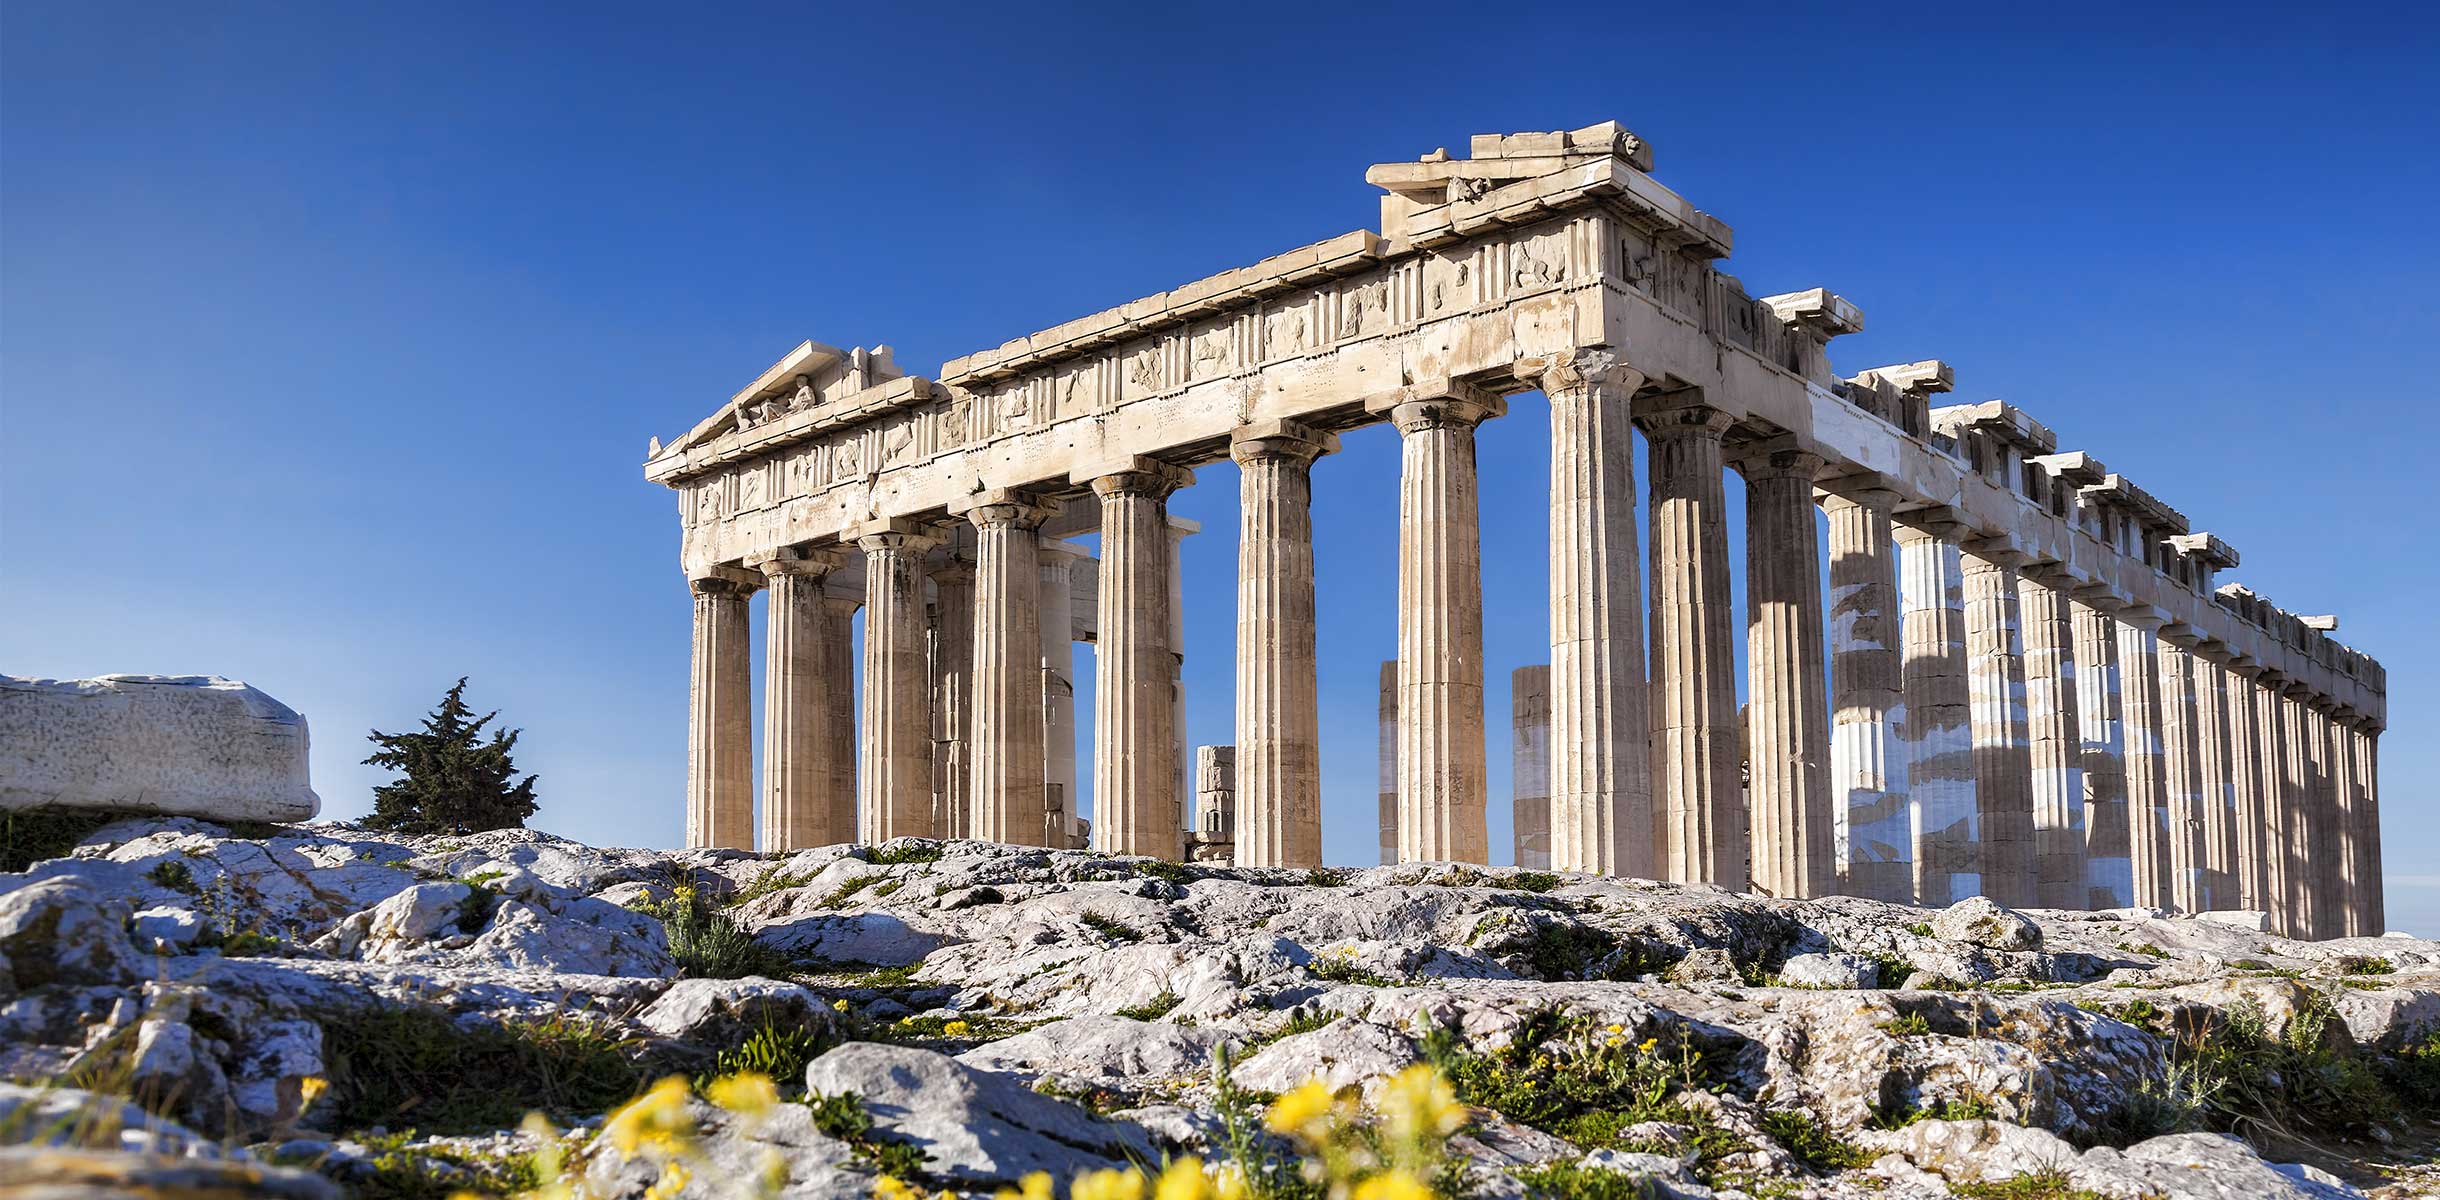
1566,1077
708,943
394,1066
1812,1142
778,1052
1153,1009
174,875
1534,881
1911,1024
450,781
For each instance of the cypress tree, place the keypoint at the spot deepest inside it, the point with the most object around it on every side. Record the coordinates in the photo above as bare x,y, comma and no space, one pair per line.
451,782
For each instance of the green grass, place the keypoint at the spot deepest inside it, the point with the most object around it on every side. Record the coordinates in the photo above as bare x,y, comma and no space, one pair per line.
779,1051
415,1067
1178,873
774,878
2041,1185
1969,1108
2364,964
1535,881
1571,1181
847,891
1112,928
1342,968
392,1171
1325,877
902,853
1564,1076
1910,1024
843,1116
1151,1010
1812,1143
175,876
1559,952
709,943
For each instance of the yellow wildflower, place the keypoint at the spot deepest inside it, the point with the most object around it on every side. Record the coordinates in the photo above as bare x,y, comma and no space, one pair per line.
1649,1045
657,1120
890,1187
673,1180
1183,1180
1107,1185
745,1093
956,1029
1614,1030
840,1004
1399,1184
1421,1106
1037,1186
1301,1112
310,1090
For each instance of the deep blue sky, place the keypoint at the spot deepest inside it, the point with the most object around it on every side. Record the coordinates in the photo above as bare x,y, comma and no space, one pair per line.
330,340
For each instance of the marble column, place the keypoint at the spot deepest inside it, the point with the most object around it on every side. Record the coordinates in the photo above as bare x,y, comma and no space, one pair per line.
1938,730
1874,839
953,693
835,714
2054,740
2348,919
1698,802
1441,750
1058,627
1009,803
2182,769
720,729
2279,828
2147,782
1600,793
1788,716
1389,763
894,785
2303,832
2003,762
796,744
1136,806
2101,720
1279,733
2219,795
2329,850
2252,887
2370,904
1529,815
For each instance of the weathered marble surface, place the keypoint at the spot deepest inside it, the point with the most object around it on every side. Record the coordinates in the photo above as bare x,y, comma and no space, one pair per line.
195,745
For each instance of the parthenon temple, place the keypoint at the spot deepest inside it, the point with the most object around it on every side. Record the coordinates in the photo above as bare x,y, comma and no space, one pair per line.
2027,678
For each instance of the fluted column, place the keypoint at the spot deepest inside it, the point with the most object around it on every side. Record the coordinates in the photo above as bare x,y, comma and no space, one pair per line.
1788,717
1698,805
2329,851
1874,838
2348,919
720,729
2147,784
2251,827
2182,769
1529,765
835,710
2003,763
1136,807
894,785
2101,718
2219,793
1389,762
1600,806
796,745
2279,821
1058,628
1938,730
2054,741
2374,910
953,693
1441,768
2302,829
1007,791
1279,732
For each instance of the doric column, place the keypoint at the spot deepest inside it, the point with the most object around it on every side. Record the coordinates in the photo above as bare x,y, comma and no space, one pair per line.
2219,793
2148,831
2054,740
1279,732
2374,910
720,729
1788,717
2279,820
796,742
1529,815
1058,628
835,712
2329,849
894,785
2003,764
2303,831
1698,807
1178,528
1600,807
1938,731
2099,713
1136,806
1874,838
2182,769
2347,919
1389,762
1441,770
2252,884
1008,799
953,692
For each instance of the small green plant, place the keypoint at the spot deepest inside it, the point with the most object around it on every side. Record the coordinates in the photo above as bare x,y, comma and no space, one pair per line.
709,943
847,891
1973,1106
1889,970
1178,873
1920,929
1558,951
780,1052
1341,967
479,902
2050,1184
2146,949
901,853
843,1116
1565,1076
1574,1181
1910,1024
2364,964
774,878
1812,1143
1534,881
1151,1010
1325,877
392,1066
2175,1101
174,875
393,1168
1111,928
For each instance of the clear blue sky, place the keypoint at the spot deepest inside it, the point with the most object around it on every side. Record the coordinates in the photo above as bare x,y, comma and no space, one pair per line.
330,340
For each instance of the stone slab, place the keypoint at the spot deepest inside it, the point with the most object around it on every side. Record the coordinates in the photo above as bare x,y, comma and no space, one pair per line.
189,745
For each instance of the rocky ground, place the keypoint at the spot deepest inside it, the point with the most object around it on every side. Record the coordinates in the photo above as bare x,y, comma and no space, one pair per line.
294,1008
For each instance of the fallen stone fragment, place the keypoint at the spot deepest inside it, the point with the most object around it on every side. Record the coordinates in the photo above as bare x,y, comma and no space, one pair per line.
194,744
1979,921
973,1126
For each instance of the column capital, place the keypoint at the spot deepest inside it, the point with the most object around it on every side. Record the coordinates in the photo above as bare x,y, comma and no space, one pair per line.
1860,489
1937,521
1775,457
2097,596
2213,650
2244,665
1005,507
892,533
1437,404
802,559
1992,552
1137,476
2051,573
2181,635
725,581
1280,439
1577,374
1685,420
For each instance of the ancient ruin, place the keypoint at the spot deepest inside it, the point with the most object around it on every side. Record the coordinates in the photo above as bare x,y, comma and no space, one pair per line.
2028,679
